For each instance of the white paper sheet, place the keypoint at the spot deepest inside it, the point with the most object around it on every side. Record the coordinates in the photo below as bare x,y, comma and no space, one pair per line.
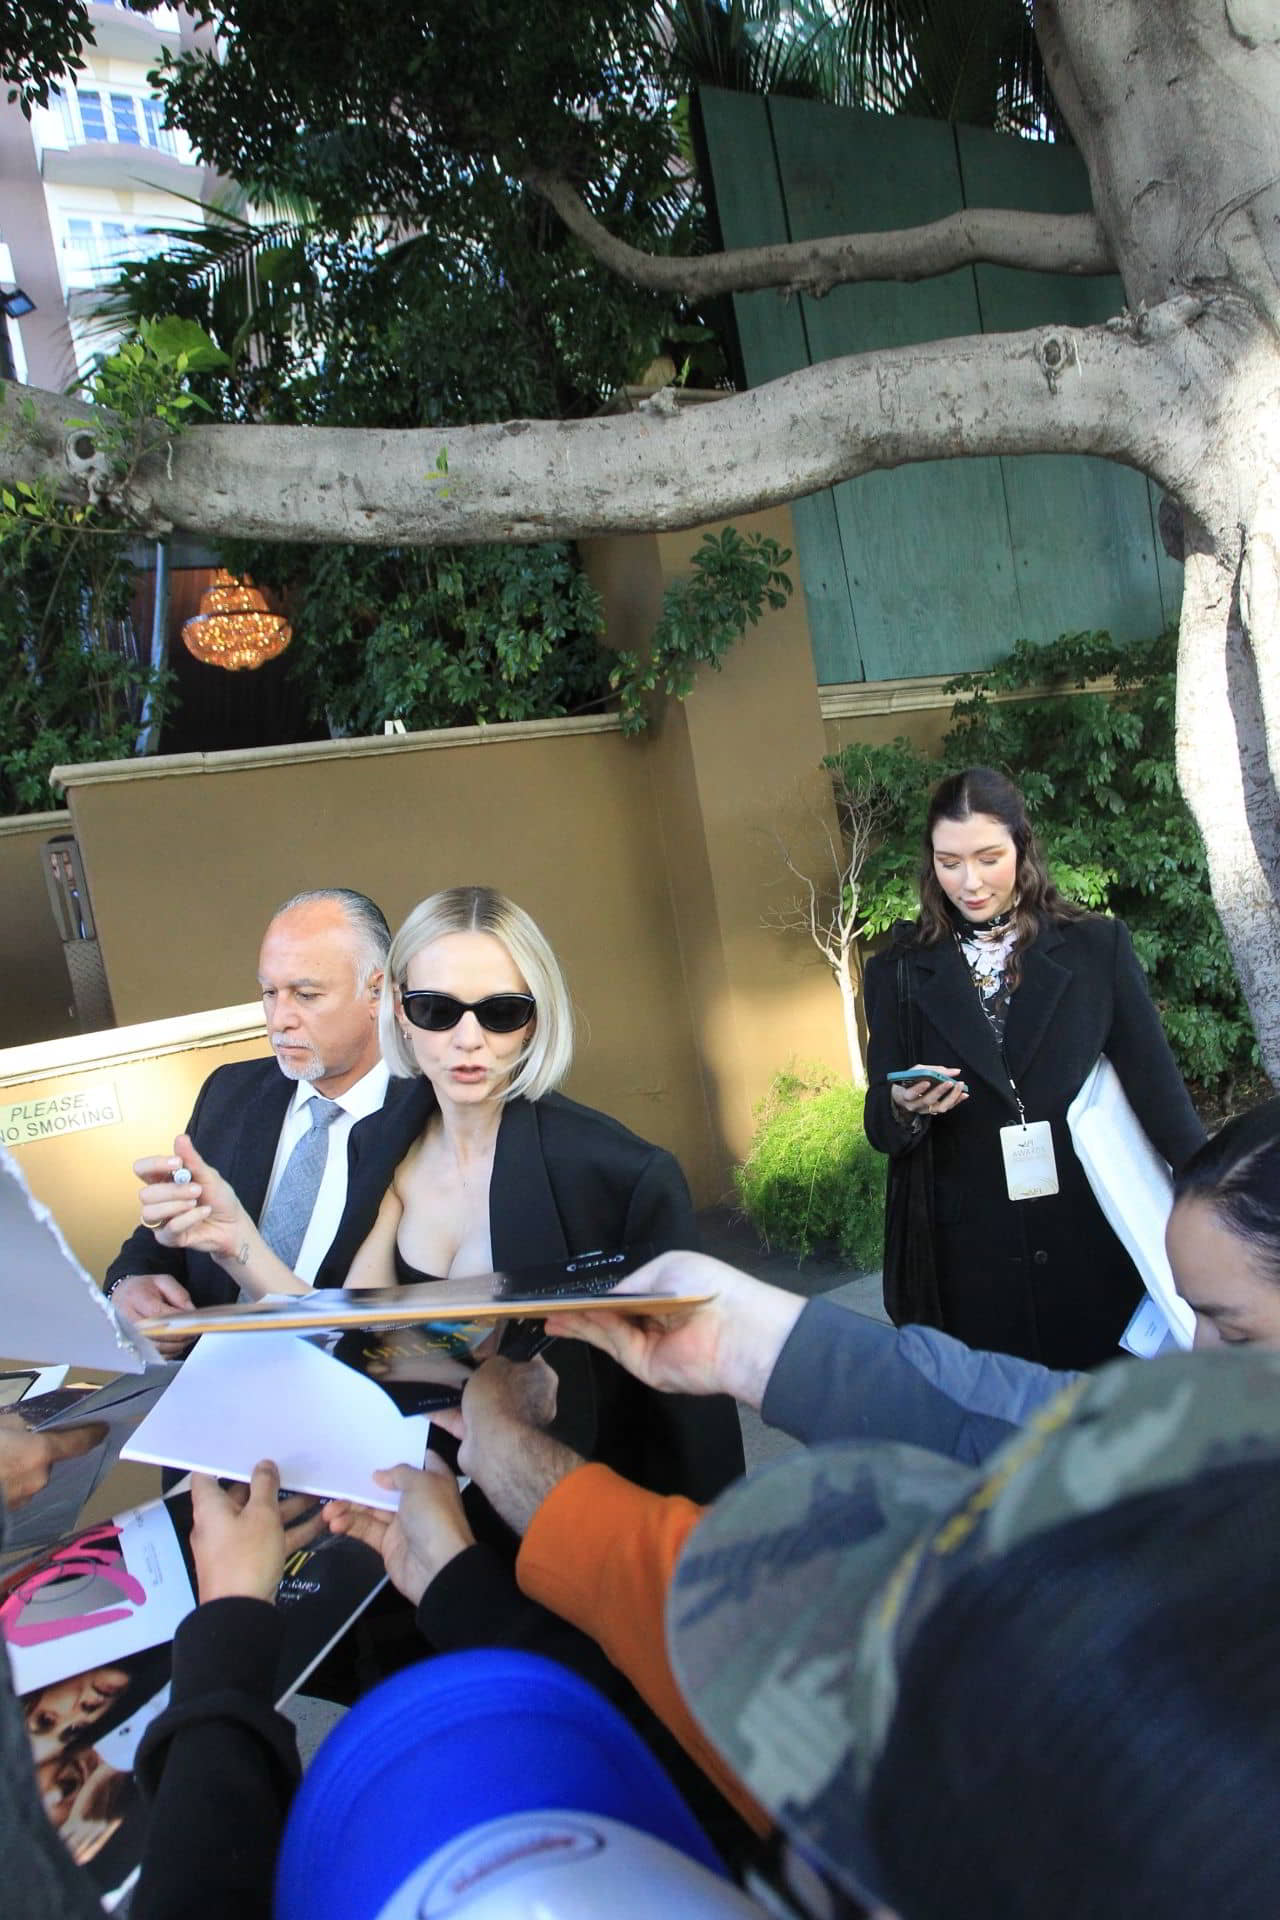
112,1591
1134,1188
50,1308
244,1397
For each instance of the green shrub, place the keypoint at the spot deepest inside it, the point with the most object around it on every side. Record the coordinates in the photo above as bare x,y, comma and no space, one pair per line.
812,1179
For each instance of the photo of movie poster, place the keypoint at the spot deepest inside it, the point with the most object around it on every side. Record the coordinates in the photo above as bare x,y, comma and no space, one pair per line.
113,1590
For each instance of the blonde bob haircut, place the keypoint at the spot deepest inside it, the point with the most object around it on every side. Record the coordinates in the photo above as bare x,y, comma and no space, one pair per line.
547,1058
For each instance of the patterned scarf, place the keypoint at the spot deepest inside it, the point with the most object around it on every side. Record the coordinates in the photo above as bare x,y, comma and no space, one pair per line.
986,952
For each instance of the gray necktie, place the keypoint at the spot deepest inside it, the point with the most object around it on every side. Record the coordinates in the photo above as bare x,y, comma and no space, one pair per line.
284,1224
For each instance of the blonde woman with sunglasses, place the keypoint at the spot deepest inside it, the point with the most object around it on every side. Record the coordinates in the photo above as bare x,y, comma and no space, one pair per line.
490,1168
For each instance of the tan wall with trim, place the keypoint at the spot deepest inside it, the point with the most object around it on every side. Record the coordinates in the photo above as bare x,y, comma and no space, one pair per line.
36,1002
923,727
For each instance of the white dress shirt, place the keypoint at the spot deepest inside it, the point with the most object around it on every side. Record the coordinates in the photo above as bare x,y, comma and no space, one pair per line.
364,1098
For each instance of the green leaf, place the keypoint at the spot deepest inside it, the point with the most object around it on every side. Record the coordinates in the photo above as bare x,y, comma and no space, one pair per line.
172,339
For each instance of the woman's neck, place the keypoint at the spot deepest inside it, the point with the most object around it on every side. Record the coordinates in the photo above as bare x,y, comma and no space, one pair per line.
470,1133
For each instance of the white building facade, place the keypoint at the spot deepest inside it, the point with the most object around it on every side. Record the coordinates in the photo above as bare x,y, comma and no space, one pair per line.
84,181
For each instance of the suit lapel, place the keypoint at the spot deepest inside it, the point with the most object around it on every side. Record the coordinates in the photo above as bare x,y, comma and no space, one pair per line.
254,1153
377,1144
949,1001
1043,983
525,1227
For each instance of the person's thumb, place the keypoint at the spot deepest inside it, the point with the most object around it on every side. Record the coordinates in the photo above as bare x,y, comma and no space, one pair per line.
264,1484
396,1479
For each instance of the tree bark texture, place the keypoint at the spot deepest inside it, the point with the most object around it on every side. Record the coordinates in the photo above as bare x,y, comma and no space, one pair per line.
1175,105
1065,390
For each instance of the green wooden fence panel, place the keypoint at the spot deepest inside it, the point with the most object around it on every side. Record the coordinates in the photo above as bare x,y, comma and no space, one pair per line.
939,566
1083,541
918,611
772,338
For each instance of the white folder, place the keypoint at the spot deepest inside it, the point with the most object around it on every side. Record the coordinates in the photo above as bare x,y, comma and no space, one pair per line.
1134,1187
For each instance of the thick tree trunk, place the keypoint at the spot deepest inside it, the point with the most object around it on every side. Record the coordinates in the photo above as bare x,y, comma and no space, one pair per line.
1225,776
1176,108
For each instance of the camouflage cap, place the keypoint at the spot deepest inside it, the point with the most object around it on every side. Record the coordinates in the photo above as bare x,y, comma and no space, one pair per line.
798,1595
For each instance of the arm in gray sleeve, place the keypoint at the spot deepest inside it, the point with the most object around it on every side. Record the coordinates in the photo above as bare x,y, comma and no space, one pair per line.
842,1376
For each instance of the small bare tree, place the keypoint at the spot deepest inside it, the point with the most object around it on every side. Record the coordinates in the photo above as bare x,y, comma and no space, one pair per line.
829,907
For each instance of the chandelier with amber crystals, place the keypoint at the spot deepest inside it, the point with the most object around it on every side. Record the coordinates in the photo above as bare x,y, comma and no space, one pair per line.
233,627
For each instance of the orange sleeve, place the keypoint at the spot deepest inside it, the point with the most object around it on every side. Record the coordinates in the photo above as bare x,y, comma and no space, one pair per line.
601,1553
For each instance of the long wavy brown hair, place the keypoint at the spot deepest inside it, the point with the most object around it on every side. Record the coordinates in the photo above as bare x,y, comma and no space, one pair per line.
1036,899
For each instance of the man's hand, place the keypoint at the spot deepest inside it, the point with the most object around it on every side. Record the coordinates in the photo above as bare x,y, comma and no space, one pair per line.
153,1296
27,1459
203,1215
506,1406
429,1530
240,1539
730,1345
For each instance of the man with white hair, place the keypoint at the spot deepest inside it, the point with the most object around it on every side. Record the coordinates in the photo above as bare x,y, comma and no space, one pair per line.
298,1136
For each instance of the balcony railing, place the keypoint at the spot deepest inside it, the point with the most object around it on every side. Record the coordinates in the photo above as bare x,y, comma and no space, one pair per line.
91,114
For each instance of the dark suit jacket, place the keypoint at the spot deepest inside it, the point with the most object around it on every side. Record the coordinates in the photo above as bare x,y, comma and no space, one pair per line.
235,1124
568,1180
1046,1278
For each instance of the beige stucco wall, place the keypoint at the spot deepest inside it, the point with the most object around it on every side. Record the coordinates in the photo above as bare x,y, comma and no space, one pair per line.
36,1003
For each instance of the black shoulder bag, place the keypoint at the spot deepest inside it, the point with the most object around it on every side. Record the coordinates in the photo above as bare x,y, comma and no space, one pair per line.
910,1276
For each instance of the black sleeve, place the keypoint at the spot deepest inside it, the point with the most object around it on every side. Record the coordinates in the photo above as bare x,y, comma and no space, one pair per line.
218,1769
1137,1049
474,1602
670,1442
142,1252
660,1213
884,1129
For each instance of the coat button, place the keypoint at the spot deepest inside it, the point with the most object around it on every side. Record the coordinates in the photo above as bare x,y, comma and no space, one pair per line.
1040,1257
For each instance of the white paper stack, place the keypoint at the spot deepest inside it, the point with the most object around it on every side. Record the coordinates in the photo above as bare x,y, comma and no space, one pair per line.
245,1397
1134,1188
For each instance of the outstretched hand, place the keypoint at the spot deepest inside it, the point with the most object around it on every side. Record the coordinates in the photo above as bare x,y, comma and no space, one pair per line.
507,1406
728,1345
428,1530
27,1459
203,1215
242,1536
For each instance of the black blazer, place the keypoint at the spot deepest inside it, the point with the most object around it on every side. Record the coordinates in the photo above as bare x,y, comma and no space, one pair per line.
1047,1278
567,1179
235,1125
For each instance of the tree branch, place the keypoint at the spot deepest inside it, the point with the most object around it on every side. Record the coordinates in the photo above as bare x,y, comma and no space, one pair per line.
1059,390
1002,237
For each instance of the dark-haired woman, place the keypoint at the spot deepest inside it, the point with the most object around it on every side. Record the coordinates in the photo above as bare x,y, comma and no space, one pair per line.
1004,994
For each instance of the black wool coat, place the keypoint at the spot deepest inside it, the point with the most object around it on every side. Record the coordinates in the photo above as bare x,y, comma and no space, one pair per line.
1046,1279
